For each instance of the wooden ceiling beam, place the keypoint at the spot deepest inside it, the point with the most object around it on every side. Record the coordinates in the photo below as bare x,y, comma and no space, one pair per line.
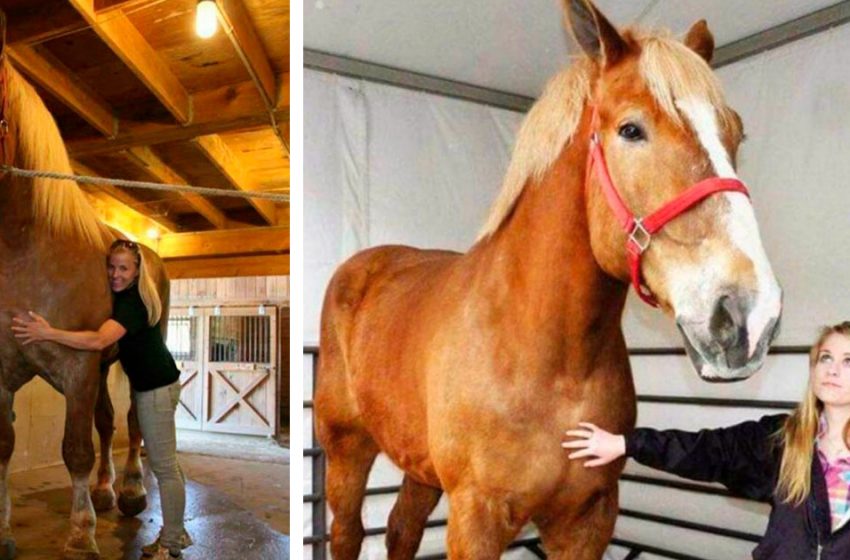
232,242
243,35
264,265
224,109
55,77
105,5
232,167
120,216
119,33
37,22
144,158
123,198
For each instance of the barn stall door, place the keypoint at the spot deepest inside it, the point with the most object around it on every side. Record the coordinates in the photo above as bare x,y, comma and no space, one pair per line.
185,341
233,388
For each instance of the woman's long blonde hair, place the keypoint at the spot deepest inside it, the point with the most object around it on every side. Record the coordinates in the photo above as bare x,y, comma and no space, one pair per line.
800,431
147,286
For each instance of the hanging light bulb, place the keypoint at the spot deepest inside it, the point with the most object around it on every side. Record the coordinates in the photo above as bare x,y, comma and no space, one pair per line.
153,233
206,18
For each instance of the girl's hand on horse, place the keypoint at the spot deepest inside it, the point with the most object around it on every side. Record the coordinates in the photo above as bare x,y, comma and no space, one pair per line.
593,441
33,329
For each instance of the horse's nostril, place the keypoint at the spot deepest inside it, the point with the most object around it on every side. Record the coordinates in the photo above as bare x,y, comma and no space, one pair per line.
724,323
728,329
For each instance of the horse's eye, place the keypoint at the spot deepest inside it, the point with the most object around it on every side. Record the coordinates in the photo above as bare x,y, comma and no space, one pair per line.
631,132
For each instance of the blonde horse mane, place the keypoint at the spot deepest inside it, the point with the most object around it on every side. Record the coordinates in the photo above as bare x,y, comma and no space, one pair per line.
671,71
58,204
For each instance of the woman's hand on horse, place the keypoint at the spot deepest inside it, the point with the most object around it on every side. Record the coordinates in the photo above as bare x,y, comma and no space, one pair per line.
32,329
593,441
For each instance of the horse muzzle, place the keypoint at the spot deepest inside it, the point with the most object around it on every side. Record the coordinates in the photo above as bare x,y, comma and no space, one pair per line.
730,345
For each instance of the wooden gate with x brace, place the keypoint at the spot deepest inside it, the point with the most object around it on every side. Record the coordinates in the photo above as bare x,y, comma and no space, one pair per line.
228,368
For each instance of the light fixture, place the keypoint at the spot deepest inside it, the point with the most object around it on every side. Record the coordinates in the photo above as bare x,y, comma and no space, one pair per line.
153,233
261,310
191,311
217,310
206,18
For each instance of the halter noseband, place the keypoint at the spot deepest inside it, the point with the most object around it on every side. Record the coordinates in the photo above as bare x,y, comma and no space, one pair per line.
641,229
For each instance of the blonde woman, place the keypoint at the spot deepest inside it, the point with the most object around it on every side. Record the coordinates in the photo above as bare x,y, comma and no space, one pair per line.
799,462
154,378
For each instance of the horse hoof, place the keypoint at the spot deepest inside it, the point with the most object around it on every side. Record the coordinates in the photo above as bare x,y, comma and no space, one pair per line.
132,505
103,499
7,549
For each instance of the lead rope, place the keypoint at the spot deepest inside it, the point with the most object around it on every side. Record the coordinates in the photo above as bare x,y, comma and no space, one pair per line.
86,179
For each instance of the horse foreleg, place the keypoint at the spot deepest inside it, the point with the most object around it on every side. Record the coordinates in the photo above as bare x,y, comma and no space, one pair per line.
133,498
7,445
407,520
582,534
78,453
480,525
103,495
350,458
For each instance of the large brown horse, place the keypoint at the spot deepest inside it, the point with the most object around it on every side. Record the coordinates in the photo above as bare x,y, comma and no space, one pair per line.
52,261
466,368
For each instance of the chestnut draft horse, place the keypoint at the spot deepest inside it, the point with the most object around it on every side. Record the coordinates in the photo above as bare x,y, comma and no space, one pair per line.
465,369
52,261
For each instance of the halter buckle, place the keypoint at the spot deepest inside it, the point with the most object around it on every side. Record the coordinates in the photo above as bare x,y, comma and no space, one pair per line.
639,237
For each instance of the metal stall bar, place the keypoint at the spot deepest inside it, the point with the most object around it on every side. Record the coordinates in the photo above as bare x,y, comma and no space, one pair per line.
320,523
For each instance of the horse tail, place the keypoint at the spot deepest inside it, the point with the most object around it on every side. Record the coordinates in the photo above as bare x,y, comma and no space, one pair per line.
336,404
338,323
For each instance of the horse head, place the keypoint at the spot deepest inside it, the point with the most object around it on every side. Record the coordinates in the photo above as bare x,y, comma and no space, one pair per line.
662,136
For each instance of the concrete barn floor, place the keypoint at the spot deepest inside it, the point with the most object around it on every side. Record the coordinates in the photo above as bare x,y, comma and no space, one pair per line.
234,510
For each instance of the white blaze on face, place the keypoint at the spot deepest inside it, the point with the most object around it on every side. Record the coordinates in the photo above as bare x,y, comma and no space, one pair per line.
740,221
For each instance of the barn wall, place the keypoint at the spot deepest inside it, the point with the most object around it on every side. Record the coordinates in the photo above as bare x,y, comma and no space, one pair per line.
793,101
230,290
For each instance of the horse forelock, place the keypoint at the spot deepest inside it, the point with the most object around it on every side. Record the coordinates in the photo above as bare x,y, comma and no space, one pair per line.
58,205
672,73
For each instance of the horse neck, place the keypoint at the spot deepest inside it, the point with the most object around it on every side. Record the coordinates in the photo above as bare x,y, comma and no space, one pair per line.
545,271
16,210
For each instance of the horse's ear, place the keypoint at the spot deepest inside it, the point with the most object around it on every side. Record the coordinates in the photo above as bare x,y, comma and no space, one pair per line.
700,40
593,32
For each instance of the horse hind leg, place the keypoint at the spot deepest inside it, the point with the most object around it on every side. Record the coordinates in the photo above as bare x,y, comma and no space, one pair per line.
407,520
133,496
7,445
103,494
350,456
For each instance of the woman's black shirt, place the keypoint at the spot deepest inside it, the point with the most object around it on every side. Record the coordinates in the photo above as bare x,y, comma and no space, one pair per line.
142,352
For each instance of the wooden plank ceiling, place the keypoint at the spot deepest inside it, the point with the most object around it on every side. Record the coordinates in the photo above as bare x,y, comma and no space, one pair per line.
138,95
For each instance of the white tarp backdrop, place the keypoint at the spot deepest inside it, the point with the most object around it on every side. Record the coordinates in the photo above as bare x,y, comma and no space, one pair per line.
384,165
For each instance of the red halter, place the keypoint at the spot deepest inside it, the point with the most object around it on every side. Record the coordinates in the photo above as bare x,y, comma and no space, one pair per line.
640,230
